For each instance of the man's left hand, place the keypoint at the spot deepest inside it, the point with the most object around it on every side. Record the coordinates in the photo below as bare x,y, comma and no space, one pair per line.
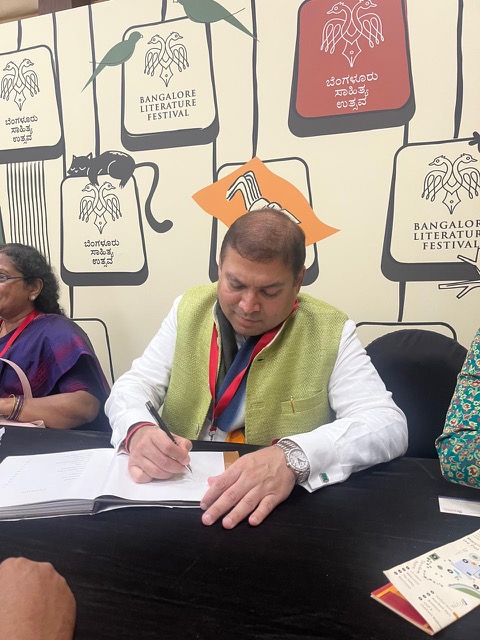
251,487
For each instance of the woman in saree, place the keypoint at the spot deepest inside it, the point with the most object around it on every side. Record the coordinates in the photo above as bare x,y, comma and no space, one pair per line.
68,386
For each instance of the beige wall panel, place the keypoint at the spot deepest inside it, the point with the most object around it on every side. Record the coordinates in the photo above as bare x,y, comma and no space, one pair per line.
433,28
471,55
350,173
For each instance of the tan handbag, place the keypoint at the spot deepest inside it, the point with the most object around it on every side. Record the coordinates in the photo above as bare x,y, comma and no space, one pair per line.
27,392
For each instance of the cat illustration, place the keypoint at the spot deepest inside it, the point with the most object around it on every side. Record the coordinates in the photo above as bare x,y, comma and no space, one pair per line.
120,166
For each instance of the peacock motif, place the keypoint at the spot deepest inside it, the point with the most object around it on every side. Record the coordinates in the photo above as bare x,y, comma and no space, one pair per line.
110,201
451,177
168,53
99,203
350,27
17,80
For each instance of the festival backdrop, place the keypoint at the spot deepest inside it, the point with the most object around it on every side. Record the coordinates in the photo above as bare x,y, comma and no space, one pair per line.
132,134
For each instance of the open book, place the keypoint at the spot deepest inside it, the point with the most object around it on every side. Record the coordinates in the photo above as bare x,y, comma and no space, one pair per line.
94,480
438,587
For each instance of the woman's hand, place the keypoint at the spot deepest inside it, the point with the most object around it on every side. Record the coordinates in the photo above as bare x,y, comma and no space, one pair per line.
60,411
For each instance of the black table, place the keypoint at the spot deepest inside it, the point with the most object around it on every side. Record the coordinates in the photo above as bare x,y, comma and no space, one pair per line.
306,572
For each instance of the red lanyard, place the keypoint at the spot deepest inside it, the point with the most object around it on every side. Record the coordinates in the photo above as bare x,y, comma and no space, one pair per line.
230,391
26,321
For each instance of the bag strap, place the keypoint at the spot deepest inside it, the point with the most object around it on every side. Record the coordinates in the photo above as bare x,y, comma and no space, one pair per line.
27,389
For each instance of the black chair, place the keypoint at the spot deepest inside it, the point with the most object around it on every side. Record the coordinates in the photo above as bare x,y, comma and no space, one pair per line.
420,368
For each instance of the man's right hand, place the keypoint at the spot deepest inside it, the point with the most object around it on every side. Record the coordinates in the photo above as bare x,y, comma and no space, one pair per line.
154,456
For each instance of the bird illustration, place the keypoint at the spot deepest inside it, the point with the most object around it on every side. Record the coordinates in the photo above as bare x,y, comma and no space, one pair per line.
29,76
9,80
88,203
369,24
109,201
100,203
469,177
437,178
19,79
349,26
208,11
118,54
451,179
168,53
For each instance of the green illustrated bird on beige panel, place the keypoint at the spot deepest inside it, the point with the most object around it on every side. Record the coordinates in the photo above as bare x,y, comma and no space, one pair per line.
208,11
117,55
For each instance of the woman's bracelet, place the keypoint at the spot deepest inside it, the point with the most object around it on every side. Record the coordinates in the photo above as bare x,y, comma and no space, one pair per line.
21,407
17,407
4,415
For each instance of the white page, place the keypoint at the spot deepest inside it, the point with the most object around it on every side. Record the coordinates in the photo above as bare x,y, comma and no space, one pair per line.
185,486
457,505
53,476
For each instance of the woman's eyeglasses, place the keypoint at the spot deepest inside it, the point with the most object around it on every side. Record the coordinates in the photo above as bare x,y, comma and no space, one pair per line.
4,278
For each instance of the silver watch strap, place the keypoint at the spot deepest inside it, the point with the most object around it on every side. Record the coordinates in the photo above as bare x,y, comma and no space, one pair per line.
288,445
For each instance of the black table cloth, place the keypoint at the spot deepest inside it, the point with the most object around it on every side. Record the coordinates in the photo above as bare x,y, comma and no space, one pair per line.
306,572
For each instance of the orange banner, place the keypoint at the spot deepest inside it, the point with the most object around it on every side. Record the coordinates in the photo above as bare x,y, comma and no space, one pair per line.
252,186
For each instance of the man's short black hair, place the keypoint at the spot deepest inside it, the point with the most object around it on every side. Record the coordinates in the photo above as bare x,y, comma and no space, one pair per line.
265,235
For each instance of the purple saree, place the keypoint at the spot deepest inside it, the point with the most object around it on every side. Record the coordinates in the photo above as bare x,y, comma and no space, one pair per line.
57,357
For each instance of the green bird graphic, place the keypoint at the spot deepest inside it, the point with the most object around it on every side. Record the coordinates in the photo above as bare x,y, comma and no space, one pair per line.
207,11
121,52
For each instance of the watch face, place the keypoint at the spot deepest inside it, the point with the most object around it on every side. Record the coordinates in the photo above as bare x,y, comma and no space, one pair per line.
298,460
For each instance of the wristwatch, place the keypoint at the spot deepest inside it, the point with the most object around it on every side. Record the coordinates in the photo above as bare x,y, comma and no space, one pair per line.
295,458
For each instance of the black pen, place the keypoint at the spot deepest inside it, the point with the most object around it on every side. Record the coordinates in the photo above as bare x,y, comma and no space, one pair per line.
161,423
